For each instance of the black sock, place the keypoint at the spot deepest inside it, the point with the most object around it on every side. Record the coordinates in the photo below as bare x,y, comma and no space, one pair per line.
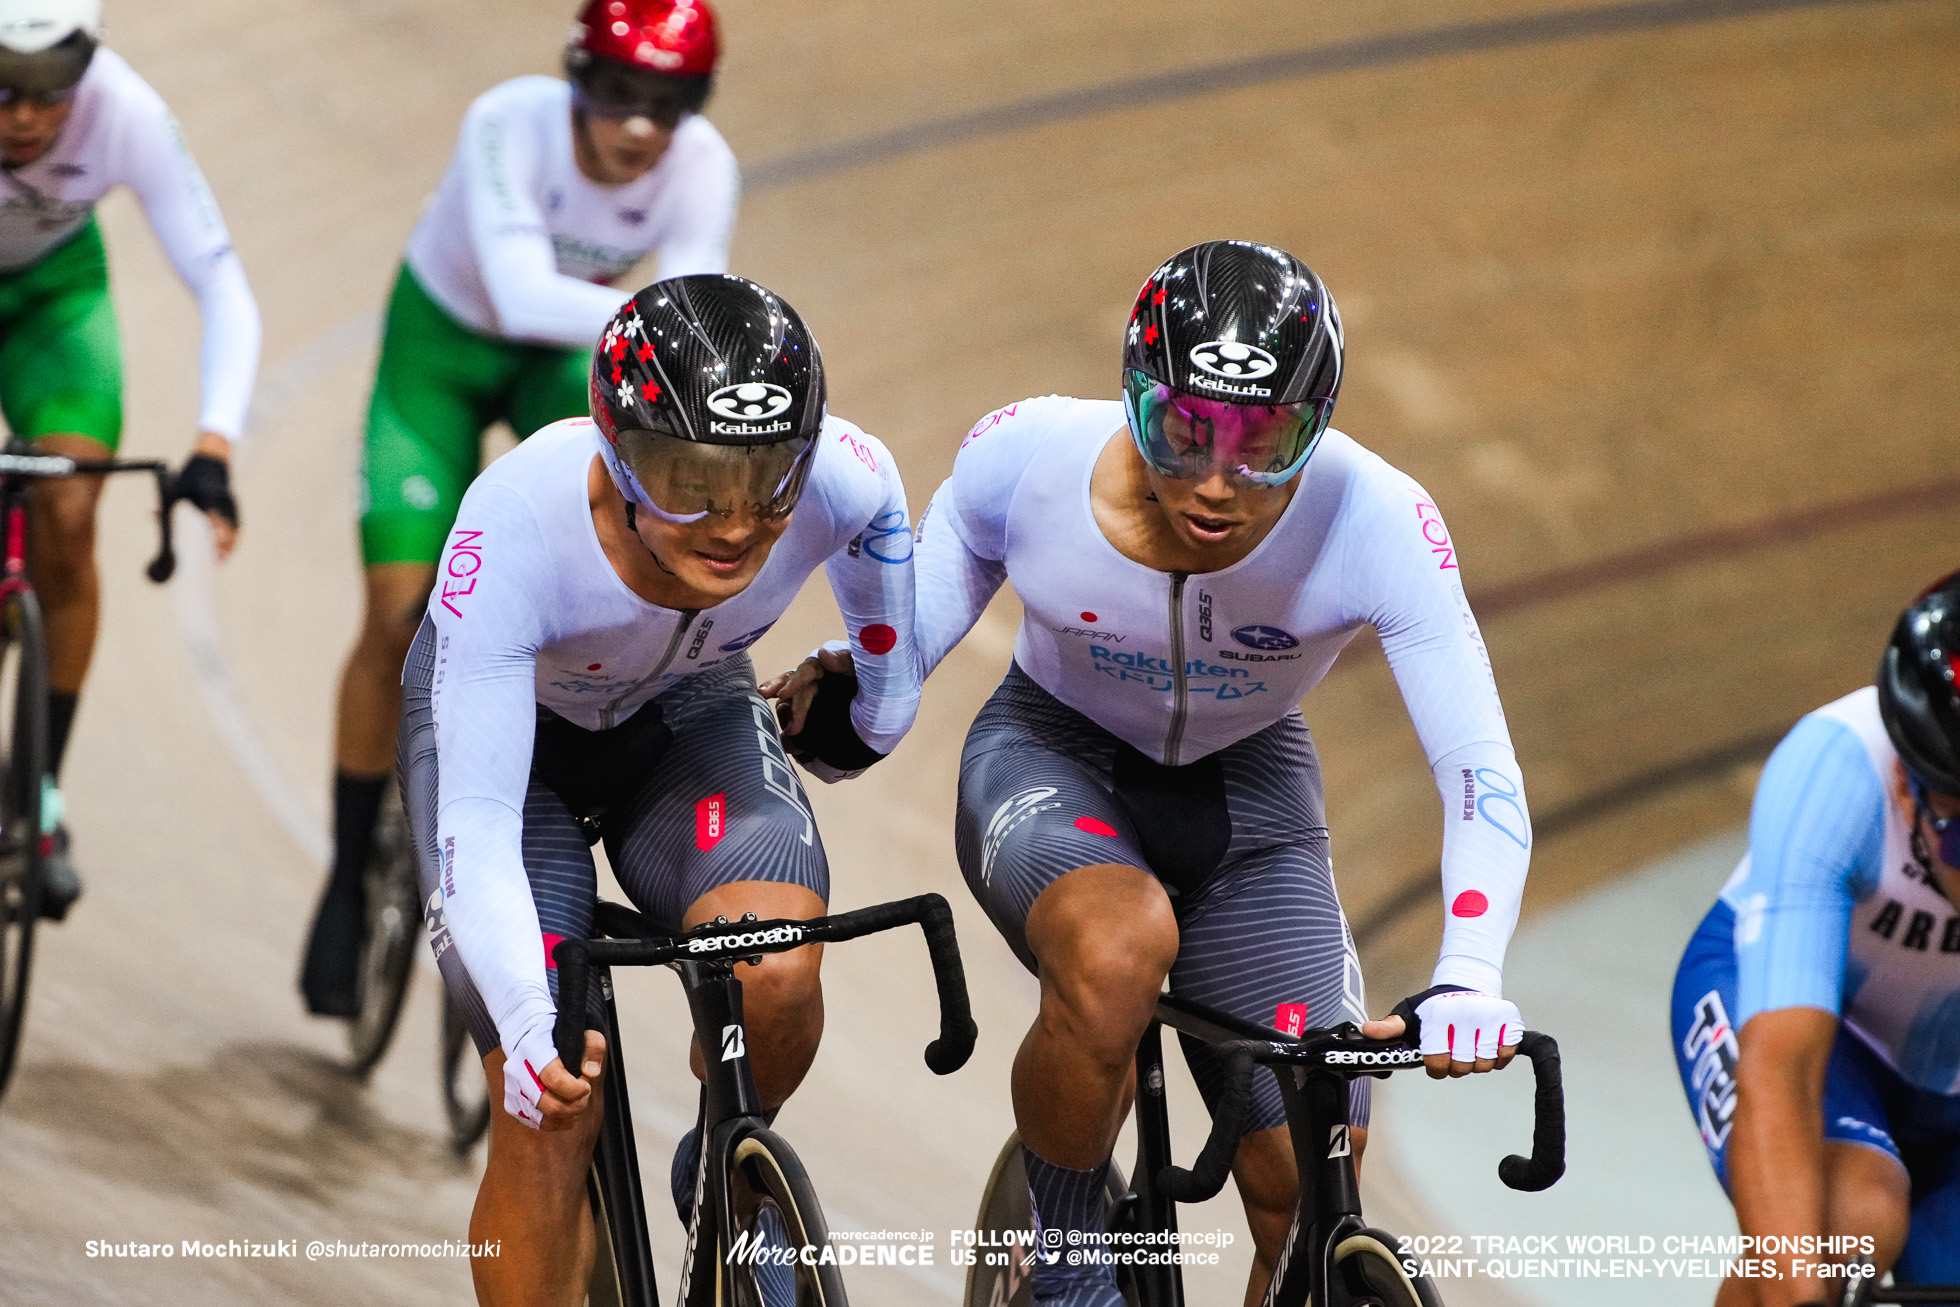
61,716
356,808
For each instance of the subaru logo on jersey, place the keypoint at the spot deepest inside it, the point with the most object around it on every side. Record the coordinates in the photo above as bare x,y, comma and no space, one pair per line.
1228,358
742,642
751,401
1264,637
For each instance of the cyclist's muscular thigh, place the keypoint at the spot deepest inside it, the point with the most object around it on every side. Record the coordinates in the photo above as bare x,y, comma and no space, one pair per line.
1104,938
370,686
782,998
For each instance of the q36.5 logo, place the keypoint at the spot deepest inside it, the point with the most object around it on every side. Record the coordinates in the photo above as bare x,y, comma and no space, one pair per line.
1264,637
751,401
1229,358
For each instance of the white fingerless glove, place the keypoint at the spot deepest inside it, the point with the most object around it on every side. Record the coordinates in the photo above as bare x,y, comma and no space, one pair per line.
523,1067
1464,1023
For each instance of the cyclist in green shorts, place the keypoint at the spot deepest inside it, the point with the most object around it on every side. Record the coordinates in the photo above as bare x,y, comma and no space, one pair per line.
556,189
76,121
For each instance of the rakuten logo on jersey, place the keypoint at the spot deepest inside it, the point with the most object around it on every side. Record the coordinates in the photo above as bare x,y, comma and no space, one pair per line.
747,939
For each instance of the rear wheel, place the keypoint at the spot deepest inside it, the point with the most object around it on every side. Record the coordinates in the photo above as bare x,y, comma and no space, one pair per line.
465,1094
1368,1266
23,845
1005,1226
775,1208
394,926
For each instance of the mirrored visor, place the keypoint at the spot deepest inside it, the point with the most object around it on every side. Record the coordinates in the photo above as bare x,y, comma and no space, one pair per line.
1191,438
687,480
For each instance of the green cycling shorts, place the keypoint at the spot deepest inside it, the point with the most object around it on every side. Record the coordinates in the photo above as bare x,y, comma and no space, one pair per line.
60,352
437,387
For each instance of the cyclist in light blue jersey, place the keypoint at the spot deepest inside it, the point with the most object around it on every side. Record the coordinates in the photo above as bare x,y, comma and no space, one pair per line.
1816,1014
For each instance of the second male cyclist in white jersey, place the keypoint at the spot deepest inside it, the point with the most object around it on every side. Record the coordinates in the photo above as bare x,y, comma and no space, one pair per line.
556,188
1140,799
584,660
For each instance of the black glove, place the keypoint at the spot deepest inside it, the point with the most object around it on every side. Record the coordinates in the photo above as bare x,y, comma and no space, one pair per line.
827,736
206,483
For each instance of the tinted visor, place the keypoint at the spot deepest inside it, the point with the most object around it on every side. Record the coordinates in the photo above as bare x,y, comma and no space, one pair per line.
1191,438
687,480
49,75
606,88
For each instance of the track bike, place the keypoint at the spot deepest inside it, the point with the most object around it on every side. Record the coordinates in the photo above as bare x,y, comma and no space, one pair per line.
394,929
465,1098
1868,1292
26,839
757,1226
1331,1256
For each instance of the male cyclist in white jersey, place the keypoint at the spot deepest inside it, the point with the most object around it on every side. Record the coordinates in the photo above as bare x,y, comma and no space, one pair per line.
75,122
1140,799
1816,1012
556,189
583,666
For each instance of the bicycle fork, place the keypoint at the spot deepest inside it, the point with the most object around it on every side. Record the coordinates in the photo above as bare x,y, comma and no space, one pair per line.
714,998
1323,1150
1149,1207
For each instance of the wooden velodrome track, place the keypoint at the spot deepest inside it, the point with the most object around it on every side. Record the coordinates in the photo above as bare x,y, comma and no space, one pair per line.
1655,298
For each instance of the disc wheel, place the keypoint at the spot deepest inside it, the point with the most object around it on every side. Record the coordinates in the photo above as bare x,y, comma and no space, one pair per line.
772,1204
394,924
23,755
465,1095
1006,1221
1368,1268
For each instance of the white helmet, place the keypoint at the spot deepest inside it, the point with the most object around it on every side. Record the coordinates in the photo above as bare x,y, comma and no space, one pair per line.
31,26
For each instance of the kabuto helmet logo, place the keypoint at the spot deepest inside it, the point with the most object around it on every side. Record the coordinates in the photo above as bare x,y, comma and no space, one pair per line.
752,401
1197,319
1230,358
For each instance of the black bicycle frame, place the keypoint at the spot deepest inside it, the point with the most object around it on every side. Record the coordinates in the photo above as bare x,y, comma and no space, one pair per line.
714,998
1317,1110
1317,1099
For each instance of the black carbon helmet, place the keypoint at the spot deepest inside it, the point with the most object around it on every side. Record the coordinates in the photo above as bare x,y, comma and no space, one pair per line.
711,357
1240,322
715,373
1919,686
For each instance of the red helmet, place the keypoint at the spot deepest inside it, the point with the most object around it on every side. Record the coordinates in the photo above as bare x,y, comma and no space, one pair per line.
675,37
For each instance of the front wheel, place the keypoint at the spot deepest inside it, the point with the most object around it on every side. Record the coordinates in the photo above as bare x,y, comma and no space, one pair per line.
394,927
776,1216
465,1094
23,844
1369,1267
